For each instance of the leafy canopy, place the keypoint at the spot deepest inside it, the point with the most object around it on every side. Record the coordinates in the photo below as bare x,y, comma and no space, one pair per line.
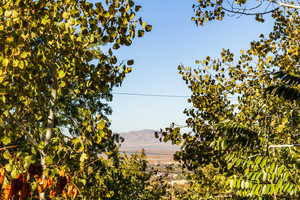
54,84
244,114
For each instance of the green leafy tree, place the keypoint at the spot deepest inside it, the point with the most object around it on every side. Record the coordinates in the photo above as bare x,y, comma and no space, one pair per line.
54,84
210,10
135,180
244,120
204,183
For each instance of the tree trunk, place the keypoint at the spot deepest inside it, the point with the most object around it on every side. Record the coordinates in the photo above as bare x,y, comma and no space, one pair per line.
50,126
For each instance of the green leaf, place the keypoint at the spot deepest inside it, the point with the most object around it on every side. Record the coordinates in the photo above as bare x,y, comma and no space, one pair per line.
28,160
141,33
263,162
90,170
258,160
6,140
272,167
7,155
101,125
148,28
62,84
61,74
8,167
48,160
15,172
137,8
130,62
5,62
83,157
83,181
65,15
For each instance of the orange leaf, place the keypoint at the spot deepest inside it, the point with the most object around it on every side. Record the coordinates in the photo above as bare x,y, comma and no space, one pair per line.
7,192
52,193
2,175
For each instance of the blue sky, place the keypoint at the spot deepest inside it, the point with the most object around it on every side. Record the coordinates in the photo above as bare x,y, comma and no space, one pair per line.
174,40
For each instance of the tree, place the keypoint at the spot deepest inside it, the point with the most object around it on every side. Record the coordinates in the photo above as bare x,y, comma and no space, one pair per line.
245,117
208,10
135,180
205,183
54,84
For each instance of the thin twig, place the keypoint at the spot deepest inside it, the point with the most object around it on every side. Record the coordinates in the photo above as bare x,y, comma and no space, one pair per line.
287,5
8,147
245,13
284,145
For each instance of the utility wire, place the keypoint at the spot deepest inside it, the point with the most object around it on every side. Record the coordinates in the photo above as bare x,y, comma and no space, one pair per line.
149,95
156,95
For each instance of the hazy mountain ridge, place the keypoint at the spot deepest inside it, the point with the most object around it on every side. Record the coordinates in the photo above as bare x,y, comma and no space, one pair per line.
145,139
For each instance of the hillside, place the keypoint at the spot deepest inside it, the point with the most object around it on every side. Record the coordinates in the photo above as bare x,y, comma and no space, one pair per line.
135,141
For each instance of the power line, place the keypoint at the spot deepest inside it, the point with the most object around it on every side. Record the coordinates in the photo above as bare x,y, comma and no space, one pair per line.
150,95
156,95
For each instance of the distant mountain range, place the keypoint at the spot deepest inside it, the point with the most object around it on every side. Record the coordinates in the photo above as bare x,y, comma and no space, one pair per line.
135,141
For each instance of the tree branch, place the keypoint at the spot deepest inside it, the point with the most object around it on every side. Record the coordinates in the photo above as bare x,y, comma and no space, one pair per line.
8,147
283,145
287,5
245,13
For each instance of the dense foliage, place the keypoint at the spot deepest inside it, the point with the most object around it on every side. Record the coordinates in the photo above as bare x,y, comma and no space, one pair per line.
55,81
210,10
244,122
